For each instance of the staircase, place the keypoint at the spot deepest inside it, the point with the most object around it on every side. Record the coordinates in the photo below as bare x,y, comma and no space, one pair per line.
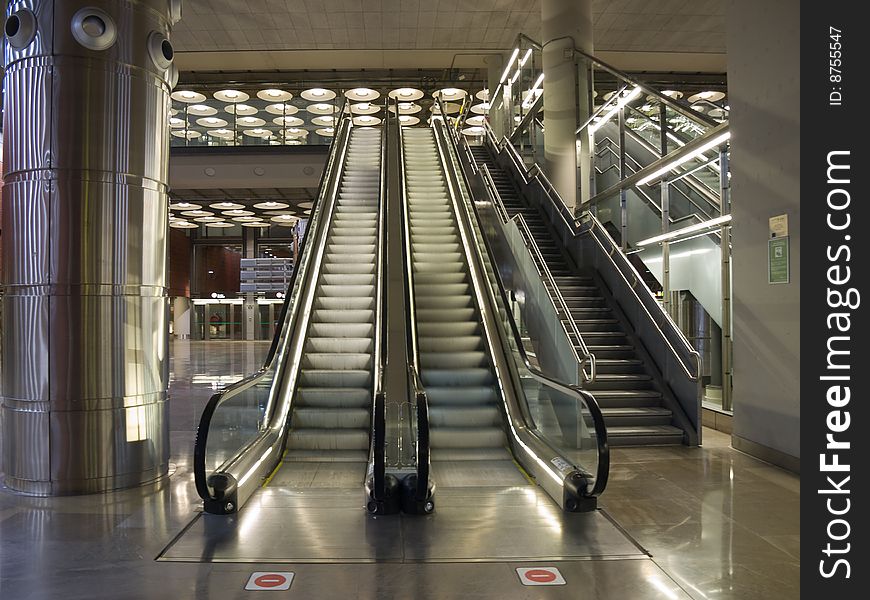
331,420
465,423
629,396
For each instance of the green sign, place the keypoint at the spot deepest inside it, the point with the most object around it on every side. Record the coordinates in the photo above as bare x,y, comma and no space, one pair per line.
777,260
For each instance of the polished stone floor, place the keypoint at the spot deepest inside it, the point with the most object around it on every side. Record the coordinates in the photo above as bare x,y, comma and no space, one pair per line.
716,524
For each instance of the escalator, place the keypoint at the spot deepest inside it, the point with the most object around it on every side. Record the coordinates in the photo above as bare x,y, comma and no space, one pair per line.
629,395
306,418
490,410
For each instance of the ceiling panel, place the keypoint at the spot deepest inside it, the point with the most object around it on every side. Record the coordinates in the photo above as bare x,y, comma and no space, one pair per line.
659,25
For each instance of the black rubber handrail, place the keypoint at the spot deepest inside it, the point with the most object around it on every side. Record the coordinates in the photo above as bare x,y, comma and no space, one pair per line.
603,467
201,440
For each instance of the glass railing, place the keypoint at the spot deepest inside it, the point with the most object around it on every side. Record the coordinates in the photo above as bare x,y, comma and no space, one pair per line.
241,433
559,418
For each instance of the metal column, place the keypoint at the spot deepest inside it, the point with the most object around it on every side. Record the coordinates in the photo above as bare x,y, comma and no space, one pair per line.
725,246
85,323
666,247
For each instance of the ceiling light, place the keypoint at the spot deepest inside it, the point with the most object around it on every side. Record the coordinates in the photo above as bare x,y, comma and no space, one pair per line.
288,121
709,96
449,107
362,93
252,122
712,223
318,94
231,96
183,225
184,206
476,121
241,109
188,96
406,94
189,134
473,131
247,219
211,122
201,110
197,213
481,109
207,219
325,120
406,108
321,109
325,132
273,95
226,205
366,121
482,95
716,141
284,219
450,93
176,122
271,205
510,64
364,108
258,224
672,93
237,212
219,224
281,109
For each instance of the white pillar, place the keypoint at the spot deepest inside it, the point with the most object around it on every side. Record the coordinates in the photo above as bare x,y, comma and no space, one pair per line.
565,25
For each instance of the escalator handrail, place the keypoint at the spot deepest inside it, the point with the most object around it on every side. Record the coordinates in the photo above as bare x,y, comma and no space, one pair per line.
581,395
283,329
536,175
560,305
379,422
421,399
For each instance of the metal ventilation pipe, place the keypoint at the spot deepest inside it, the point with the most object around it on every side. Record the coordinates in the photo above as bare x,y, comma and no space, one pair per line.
83,369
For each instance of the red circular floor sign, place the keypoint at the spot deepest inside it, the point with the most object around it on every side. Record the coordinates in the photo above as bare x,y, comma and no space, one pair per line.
540,576
271,580
264,580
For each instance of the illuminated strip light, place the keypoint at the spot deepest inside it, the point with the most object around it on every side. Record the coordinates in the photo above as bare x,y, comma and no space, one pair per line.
530,99
719,139
255,466
619,104
510,63
522,63
690,229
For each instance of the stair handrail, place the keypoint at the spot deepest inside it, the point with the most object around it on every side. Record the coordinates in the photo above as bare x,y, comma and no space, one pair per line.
573,479
424,486
583,356
225,490
534,175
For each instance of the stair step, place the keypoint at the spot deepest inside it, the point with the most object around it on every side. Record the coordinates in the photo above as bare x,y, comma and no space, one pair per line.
328,439
355,378
330,418
649,435
452,360
464,416
332,397
467,437
466,377
620,382
636,416
337,361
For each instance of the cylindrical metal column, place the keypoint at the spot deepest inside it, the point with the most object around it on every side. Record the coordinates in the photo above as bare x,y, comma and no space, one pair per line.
84,336
565,24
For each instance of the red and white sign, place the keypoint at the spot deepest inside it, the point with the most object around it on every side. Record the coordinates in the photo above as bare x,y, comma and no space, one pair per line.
262,580
540,576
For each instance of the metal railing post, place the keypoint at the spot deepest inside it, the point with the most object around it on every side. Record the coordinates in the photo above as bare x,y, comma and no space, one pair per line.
666,250
725,246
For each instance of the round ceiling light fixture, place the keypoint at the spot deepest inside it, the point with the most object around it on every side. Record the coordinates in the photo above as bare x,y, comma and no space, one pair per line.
294,132
406,94
273,95
709,96
286,220
197,213
325,132
184,206
325,121
201,110
450,93
226,205
271,205
247,219
362,94
476,121
481,109
288,121
237,212
211,122
366,121
232,96
207,219
451,108
671,94
318,95
219,224
183,225
176,122
224,134
407,108
282,109
188,96
241,110
189,134
259,224
472,131
251,121
257,132
408,120
482,95
364,108
321,108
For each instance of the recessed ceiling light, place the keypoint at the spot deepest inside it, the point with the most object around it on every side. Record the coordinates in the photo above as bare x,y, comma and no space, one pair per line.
231,96
273,95
318,94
